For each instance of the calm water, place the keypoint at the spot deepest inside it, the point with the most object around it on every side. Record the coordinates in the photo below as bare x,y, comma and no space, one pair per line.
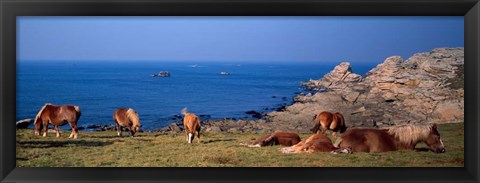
100,87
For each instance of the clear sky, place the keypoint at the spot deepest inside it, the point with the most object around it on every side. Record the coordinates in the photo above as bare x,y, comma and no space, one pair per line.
234,39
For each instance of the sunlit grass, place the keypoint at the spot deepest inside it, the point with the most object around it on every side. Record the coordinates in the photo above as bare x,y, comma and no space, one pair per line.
105,149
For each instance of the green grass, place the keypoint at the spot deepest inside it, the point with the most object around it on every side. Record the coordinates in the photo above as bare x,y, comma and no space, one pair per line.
105,149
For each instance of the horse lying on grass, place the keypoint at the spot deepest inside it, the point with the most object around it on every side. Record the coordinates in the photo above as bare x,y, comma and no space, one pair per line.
58,116
191,124
328,121
315,143
276,138
391,139
126,118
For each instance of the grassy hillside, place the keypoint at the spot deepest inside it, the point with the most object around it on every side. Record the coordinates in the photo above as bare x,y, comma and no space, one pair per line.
105,149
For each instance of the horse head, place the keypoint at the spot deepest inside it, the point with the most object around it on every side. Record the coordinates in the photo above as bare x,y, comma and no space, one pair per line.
133,117
38,119
434,141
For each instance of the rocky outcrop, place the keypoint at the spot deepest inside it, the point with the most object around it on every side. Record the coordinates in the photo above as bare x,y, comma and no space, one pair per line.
417,90
24,123
339,78
426,88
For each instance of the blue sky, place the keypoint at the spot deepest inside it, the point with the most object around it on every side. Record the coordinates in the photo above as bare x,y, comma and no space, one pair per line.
233,39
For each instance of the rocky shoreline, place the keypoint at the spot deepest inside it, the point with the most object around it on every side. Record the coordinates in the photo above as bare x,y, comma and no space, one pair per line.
428,87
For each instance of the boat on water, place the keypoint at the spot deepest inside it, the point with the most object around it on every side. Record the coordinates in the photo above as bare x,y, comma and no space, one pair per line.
223,73
161,74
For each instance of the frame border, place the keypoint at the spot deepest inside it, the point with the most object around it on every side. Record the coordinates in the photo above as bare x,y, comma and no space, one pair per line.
9,9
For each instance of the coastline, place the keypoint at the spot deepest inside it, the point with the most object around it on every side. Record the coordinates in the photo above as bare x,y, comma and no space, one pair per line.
425,88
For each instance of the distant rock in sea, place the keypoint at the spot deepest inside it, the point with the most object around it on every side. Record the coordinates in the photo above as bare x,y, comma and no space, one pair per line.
161,74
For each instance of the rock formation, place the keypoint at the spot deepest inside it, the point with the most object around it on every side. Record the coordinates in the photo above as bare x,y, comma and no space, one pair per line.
426,88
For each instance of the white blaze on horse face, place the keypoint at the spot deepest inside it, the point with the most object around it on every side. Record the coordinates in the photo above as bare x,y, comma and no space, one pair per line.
441,142
190,135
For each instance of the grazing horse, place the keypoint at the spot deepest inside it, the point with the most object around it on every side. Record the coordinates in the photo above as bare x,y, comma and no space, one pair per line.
315,143
58,116
328,121
276,138
126,118
191,123
391,139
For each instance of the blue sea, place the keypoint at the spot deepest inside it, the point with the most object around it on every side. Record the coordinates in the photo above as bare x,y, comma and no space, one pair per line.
100,87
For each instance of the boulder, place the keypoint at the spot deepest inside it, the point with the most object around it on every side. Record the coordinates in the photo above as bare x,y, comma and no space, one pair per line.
213,129
448,111
24,123
338,78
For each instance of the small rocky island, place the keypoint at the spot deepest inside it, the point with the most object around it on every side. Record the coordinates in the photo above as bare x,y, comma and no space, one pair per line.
161,74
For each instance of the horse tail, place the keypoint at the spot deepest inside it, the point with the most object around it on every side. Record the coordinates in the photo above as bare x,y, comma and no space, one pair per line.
340,117
184,111
316,127
77,108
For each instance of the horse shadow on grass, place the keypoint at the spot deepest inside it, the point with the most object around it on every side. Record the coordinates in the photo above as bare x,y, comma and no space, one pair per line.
50,143
422,149
217,140
118,137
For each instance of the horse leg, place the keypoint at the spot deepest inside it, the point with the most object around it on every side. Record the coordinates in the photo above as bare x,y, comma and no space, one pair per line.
57,130
131,131
119,130
324,131
45,128
198,136
74,133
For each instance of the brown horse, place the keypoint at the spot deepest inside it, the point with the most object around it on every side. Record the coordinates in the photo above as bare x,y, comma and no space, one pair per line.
315,143
391,139
328,121
58,116
126,118
276,138
191,123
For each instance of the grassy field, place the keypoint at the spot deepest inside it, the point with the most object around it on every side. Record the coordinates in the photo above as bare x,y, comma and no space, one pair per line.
105,149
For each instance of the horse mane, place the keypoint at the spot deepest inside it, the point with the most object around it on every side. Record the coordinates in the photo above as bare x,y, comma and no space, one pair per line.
410,134
133,116
40,112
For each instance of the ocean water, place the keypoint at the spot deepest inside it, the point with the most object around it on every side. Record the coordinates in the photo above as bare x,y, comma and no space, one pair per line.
100,87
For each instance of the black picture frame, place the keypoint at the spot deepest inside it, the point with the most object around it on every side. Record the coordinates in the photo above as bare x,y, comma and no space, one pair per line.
9,9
